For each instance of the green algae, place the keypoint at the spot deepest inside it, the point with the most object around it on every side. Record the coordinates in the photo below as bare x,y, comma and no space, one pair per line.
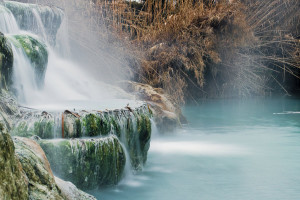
44,128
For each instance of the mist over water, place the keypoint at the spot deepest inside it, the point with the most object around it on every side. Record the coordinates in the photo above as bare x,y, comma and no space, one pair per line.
228,151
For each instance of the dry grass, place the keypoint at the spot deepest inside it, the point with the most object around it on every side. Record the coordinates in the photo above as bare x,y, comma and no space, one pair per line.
198,49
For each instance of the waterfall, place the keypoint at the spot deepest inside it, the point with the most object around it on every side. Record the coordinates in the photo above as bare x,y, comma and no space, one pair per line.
23,74
8,23
64,81
45,78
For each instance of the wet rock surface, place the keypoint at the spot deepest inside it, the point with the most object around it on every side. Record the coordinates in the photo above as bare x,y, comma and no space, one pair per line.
132,126
6,63
88,163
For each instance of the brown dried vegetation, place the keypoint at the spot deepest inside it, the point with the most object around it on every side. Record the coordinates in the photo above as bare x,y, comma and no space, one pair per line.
195,49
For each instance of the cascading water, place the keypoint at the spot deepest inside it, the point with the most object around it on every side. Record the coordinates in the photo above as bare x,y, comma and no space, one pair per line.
8,23
44,78
64,80
23,75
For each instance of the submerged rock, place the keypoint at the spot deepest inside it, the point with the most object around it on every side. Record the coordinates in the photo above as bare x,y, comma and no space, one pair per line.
13,181
37,168
88,163
37,53
32,16
6,63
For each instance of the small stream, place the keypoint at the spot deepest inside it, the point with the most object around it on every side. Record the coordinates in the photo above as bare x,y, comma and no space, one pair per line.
230,150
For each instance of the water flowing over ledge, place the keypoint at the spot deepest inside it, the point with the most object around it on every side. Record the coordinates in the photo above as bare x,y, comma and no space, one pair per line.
91,146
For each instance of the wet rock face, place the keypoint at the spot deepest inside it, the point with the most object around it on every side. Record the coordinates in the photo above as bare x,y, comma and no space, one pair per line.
28,16
131,126
37,53
37,168
88,163
6,63
14,183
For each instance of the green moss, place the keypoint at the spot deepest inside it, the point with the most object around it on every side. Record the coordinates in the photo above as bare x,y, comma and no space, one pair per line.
116,127
138,139
91,123
87,163
105,126
22,129
78,128
44,128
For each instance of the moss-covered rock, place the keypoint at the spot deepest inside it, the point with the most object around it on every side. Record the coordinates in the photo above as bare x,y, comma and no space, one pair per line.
131,126
138,141
37,168
37,53
88,163
29,123
6,63
14,183
26,17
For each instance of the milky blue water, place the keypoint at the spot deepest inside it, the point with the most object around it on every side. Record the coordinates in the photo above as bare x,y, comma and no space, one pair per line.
231,150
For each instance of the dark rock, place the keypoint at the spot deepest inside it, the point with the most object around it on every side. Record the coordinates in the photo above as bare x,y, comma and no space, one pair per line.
6,63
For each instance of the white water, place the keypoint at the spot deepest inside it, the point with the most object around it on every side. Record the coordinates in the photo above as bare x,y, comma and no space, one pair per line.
8,23
65,82
24,80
